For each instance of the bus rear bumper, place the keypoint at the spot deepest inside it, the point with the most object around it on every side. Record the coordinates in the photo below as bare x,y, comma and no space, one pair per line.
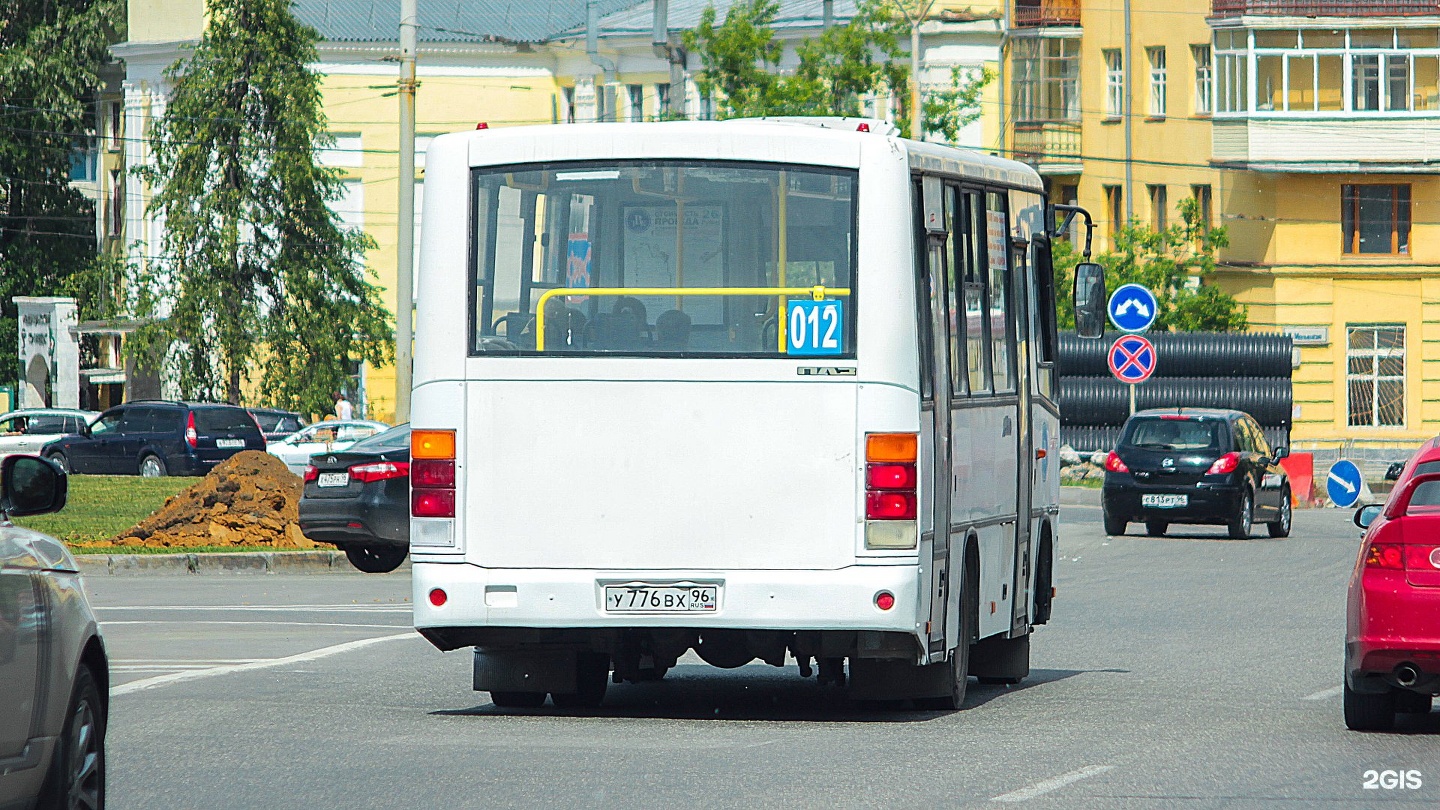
841,599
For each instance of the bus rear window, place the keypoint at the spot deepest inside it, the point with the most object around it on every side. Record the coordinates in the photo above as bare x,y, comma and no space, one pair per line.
664,258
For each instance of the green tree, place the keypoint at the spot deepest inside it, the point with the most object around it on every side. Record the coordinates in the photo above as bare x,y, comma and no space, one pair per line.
259,271
1173,263
741,61
50,58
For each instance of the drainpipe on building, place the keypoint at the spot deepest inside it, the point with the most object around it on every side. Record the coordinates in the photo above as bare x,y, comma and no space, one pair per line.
405,270
592,50
1129,126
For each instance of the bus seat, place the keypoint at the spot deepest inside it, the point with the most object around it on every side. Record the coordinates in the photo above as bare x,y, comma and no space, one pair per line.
672,330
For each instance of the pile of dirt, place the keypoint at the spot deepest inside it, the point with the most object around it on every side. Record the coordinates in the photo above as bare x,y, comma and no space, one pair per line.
251,499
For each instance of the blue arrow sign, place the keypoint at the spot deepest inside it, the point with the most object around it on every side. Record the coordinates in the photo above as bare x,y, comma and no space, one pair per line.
1344,483
1132,359
1133,308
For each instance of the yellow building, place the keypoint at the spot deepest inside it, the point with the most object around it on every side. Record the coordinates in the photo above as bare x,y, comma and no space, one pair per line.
1310,130
504,65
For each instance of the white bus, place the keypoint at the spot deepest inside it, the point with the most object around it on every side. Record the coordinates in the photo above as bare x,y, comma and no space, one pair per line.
757,389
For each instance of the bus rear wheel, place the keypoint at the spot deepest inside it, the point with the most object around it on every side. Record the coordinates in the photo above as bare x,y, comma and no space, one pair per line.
592,678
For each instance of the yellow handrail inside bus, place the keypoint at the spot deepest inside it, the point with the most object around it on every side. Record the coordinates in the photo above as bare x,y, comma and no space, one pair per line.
817,293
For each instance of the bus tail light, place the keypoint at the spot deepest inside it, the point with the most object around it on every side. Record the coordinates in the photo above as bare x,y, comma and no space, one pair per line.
891,481
432,475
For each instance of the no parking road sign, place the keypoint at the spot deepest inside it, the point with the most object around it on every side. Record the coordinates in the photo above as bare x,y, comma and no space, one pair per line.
1133,308
1132,359
1344,483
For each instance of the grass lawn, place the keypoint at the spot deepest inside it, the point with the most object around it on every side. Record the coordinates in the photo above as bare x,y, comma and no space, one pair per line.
1092,482
101,506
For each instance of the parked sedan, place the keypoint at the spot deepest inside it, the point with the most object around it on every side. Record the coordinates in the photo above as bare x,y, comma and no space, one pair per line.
1392,639
54,674
322,437
359,500
28,431
1195,465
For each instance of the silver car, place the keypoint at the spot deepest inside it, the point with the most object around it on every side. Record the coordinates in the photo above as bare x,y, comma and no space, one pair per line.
54,675
30,430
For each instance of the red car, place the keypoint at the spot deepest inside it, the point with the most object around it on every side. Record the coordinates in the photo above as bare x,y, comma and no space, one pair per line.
1392,640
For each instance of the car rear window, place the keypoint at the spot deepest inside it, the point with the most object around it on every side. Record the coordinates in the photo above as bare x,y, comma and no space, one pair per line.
396,438
1157,433
218,420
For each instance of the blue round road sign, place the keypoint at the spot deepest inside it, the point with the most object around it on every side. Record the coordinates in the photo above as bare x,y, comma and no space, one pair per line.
1132,359
1133,308
1344,483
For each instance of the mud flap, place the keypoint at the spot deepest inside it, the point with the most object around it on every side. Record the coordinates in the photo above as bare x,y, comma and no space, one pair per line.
893,679
1000,658
526,671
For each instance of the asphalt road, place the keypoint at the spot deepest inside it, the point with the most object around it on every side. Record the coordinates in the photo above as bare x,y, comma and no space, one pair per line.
1191,671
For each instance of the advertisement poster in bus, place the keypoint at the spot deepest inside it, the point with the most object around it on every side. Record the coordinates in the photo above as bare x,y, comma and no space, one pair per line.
651,247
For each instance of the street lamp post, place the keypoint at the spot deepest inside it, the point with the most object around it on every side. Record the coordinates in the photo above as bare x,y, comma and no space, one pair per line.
915,12
405,269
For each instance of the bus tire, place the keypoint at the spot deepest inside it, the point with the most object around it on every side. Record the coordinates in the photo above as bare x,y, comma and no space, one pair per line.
1044,580
518,700
592,678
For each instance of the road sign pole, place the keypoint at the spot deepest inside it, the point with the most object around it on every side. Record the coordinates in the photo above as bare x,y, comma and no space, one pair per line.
1132,399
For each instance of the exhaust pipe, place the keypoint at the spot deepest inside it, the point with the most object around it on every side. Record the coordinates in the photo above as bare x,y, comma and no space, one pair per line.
1407,675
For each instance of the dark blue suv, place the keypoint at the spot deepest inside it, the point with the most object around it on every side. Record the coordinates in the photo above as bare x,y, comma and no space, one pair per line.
158,437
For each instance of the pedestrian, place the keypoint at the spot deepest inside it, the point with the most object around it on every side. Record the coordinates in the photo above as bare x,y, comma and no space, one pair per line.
343,410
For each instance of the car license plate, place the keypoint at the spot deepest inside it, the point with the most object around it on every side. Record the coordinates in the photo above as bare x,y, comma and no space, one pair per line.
1165,501
339,479
661,598
226,444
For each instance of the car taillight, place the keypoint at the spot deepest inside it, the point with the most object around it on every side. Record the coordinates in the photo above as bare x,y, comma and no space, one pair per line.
432,483
1114,464
191,437
1385,555
379,471
1224,464
311,473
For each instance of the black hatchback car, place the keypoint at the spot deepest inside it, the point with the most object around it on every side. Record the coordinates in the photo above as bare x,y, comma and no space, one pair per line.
1191,465
359,499
158,437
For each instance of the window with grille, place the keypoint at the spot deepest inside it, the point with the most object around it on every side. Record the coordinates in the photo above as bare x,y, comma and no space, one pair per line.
1375,375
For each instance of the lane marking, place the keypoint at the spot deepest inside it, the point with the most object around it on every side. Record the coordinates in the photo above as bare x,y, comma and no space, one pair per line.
1041,788
1325,694
196,674
269,608
217,621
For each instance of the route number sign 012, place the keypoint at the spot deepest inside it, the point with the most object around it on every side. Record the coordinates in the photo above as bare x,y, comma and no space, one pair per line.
815,328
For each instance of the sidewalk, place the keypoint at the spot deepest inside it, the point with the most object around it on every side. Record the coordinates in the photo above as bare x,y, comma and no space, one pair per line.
251,562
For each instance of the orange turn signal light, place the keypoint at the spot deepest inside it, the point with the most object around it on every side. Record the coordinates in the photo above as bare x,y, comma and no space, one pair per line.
890,447
432,444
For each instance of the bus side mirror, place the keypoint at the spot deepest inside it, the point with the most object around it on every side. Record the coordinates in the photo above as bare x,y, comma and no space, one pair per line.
1089,300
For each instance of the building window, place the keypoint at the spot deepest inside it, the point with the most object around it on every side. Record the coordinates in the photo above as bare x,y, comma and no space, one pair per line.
1365,82
1157,81
1047,79
1204,78
350,208
1204,207
346,150
635,96
1375,219
662,101
1114,208
84,159
1158,207
1114,84
1375,375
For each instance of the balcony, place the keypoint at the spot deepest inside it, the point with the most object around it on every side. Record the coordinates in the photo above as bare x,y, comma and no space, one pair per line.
1043,13
1324,8
1052,147
1307,145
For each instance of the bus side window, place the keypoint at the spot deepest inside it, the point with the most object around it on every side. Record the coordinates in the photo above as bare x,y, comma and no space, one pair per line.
1044,330
923,299
958,387
972,292
1001,303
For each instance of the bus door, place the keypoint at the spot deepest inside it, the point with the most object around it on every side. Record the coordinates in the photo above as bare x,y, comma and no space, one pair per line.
935,347
1021,273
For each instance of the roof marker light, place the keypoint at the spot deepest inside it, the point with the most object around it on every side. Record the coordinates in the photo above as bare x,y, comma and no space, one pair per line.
863,128
482,125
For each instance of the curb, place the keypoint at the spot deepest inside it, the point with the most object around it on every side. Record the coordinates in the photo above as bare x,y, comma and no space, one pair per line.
256,562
